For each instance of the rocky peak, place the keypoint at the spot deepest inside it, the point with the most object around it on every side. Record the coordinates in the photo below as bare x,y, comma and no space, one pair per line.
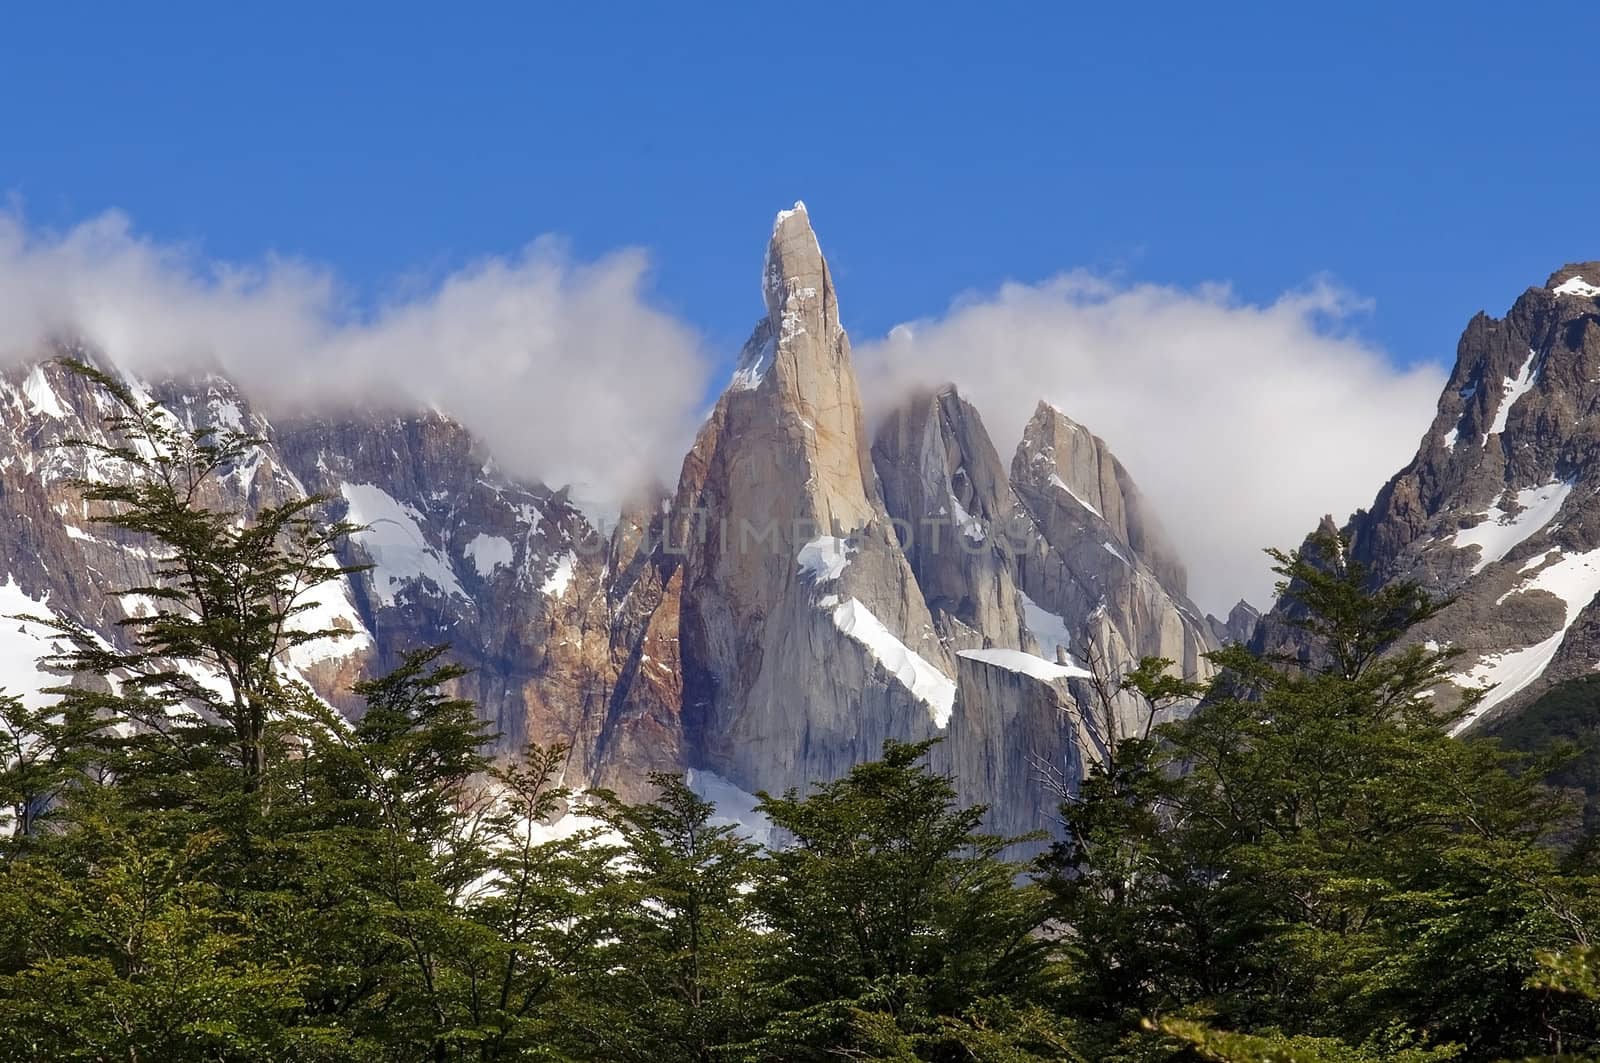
803,629
945,486
794,391
1240,626
1499,508
1097,560
795,274
1059,453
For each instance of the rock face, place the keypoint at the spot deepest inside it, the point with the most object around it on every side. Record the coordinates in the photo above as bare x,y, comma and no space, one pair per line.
947,492
1240,626
1500,507
802,595
805,639
559,624
1099,558
1019,741
488,565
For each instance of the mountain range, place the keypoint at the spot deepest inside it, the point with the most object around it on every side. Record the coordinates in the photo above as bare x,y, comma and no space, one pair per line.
813,584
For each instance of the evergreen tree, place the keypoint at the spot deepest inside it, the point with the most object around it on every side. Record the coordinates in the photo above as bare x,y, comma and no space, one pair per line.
1313,856
898,931
228,593
689,944
546,916
42,752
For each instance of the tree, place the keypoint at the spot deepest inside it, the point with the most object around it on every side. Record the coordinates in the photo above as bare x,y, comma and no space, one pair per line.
895,926
118,948
541,920
689,943
152,918
1310,855
42,751
228,594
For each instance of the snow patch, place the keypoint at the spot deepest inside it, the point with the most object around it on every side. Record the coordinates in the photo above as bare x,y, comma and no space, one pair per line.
330,608
1114,552
1514,390
824,558
1057,481
1500,532
225,413
970,526
1575,580
22,644
1026,663
41,396
1048,629
753,366
394,541
1576,286
736,808
910,670
1510,672
556,585
489,552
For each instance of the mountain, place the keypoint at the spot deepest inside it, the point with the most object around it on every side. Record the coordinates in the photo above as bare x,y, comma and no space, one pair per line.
1099,557
1238,626
1500,508
807,590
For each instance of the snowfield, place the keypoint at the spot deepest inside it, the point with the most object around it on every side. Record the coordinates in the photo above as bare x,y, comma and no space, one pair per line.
910,669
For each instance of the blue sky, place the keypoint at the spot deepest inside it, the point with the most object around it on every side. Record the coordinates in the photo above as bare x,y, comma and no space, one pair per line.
1435,158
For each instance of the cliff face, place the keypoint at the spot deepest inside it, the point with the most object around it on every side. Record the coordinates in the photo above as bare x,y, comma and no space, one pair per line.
1099,558
570,632
804,593
805,640
945,488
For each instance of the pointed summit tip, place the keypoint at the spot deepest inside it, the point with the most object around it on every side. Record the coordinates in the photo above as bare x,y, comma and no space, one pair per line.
799,208
1047,410
794,259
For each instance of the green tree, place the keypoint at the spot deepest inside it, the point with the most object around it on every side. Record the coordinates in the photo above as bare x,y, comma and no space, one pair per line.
43,750
1310,854
546,911
689,944
898,931
229,594
118,948
165,910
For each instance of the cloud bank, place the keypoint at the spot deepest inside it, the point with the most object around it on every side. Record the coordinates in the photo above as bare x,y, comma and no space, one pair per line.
563,368
1242,423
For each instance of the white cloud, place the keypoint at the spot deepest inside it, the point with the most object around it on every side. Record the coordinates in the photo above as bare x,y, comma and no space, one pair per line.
563,368
1242,423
